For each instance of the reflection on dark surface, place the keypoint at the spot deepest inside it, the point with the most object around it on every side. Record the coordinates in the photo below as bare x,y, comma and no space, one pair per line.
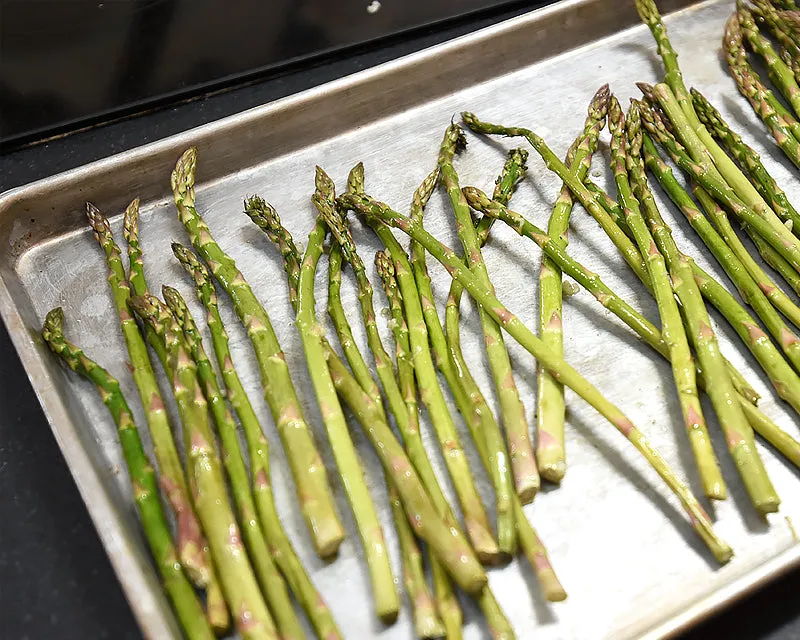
62,61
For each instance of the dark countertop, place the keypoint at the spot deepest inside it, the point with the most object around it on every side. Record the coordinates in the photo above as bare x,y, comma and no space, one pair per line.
55,579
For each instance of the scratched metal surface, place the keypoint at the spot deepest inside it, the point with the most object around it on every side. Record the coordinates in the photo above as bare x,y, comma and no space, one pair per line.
617,538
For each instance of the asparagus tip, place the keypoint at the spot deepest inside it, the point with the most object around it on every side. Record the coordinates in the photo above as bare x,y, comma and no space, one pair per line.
97,220
477,199
172,296
182,177
130,221
355,179
598,106
53,324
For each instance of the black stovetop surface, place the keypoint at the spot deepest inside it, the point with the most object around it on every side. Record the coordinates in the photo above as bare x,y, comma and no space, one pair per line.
68,63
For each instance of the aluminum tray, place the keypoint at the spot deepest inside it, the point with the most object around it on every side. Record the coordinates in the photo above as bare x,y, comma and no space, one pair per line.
623,549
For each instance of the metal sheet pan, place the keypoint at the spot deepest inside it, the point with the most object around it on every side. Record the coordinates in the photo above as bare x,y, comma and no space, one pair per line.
626,555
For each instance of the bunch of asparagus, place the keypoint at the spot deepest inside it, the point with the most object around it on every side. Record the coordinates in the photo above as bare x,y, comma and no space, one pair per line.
227,559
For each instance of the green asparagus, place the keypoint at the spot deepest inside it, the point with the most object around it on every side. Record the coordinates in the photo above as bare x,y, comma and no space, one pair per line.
700,521
142,476
311,479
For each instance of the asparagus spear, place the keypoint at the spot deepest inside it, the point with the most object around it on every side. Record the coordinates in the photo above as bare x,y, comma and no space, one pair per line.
747,286
446,602
781,125
738,432
267,219
473,406
721,192
764,497
717,295
595,200
142,476
459,374
677,103
272,584
780,74
765,352
748,159
191,544
625,159
239,583
550,402
447,542
529,541
280,546
371,208
523,461
136,277
495,619
778,298
426,619
384,593
311,478
432,397
423,607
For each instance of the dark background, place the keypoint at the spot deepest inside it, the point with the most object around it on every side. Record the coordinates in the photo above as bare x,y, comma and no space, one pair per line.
55,579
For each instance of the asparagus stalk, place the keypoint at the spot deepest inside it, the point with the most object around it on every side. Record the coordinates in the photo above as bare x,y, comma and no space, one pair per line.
738,432
717,295
191,545
601,207
446,602
735,183
781,125
721,192
529,541
750,290
498,625
447,542
454,553
748,159
272,584
776,296
432,397
142,476
765,352
625,159
136,277
523,461
239,583
612,302
473,406
311,478
459,373
780,74
426,619
471,505
280,546
384,593
550,402
677,103
371,208
267,219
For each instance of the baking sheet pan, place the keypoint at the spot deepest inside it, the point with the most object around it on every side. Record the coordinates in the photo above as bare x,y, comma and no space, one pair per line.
622,547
